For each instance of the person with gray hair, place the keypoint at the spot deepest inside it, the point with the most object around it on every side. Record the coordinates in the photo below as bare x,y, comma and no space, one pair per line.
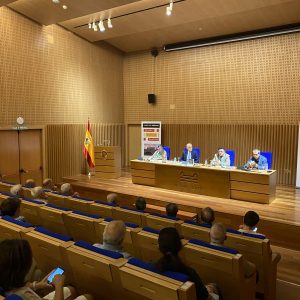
218,237
112,198
67,190
113,236
49,185
159,154
257,161
38,194
16,190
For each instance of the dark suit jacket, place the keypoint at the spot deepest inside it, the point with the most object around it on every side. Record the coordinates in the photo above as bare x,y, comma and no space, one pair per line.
194,155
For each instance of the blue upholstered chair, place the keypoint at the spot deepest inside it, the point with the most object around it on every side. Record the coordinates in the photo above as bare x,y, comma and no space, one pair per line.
269,157
168,150
232,156
198,152
13,297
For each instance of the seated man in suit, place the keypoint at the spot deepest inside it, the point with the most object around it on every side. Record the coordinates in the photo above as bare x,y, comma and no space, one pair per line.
189,153
221,159
257,161
159,154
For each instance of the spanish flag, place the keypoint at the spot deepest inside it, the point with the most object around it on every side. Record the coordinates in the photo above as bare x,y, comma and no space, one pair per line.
88,147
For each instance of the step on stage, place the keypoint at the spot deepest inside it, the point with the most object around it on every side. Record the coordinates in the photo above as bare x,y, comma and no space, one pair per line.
280,220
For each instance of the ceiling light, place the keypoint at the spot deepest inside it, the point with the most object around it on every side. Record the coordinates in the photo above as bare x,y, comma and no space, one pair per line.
56,1
65,6
95,26
169,8
90,25
101,26
109,24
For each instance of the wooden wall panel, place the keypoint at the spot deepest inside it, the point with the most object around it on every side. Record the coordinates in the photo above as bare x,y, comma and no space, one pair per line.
65,143
249,82
50,76
280,139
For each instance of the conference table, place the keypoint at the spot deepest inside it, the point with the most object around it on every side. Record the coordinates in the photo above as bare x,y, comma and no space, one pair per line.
232,183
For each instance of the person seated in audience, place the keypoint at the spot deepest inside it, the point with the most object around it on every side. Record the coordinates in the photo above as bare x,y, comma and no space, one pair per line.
113,237
67,190
15,262
49,185
207,216
251,220
257,161
30,183
11,207
171,210
38,194
112,198
221,159
218,237
159,154
140,203
16,190
188,153
170,245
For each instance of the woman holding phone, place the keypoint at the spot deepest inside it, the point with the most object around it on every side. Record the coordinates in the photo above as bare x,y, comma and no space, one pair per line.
15,262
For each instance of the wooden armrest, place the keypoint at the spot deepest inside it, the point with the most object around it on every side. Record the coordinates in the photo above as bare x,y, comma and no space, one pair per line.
275,258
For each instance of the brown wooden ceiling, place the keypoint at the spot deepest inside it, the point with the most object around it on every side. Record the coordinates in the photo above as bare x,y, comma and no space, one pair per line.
143,24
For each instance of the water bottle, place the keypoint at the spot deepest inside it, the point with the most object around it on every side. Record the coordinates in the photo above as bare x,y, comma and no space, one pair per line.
206,163
175,160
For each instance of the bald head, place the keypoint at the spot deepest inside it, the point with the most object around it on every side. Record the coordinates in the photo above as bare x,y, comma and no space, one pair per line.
189,147
217,234
112,198
114,233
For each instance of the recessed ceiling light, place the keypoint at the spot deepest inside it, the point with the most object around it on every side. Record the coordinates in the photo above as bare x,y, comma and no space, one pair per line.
56,1
65,6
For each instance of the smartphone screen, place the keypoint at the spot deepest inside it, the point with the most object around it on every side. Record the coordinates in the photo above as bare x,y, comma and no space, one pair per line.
55,272
254,229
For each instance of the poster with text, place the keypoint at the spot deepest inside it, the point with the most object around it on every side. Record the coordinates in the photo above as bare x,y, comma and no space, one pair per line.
151,137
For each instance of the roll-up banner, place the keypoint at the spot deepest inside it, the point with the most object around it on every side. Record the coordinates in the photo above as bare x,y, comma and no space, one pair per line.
151,137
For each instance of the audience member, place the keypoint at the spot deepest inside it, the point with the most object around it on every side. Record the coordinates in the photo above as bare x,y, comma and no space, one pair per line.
49,185
15,262
38,194
67,190
112,198
251,220
30,183
16,190
218,237
113,236
207,216
171,210
170,245
11,207
140,203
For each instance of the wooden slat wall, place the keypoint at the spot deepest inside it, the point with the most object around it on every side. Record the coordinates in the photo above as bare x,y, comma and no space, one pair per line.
64,144
279,139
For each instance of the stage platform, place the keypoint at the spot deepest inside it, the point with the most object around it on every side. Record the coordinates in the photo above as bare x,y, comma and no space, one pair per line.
280,220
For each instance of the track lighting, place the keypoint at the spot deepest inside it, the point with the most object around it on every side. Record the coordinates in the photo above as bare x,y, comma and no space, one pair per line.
169,8
101,26
109,24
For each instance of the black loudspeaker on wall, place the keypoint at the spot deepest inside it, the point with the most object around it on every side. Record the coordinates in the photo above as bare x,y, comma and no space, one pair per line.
151,98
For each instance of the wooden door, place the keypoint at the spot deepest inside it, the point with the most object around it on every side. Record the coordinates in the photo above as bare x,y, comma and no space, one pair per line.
31,160
9,156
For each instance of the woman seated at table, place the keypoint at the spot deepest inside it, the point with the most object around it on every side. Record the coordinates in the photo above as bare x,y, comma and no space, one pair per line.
221,158
159,154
